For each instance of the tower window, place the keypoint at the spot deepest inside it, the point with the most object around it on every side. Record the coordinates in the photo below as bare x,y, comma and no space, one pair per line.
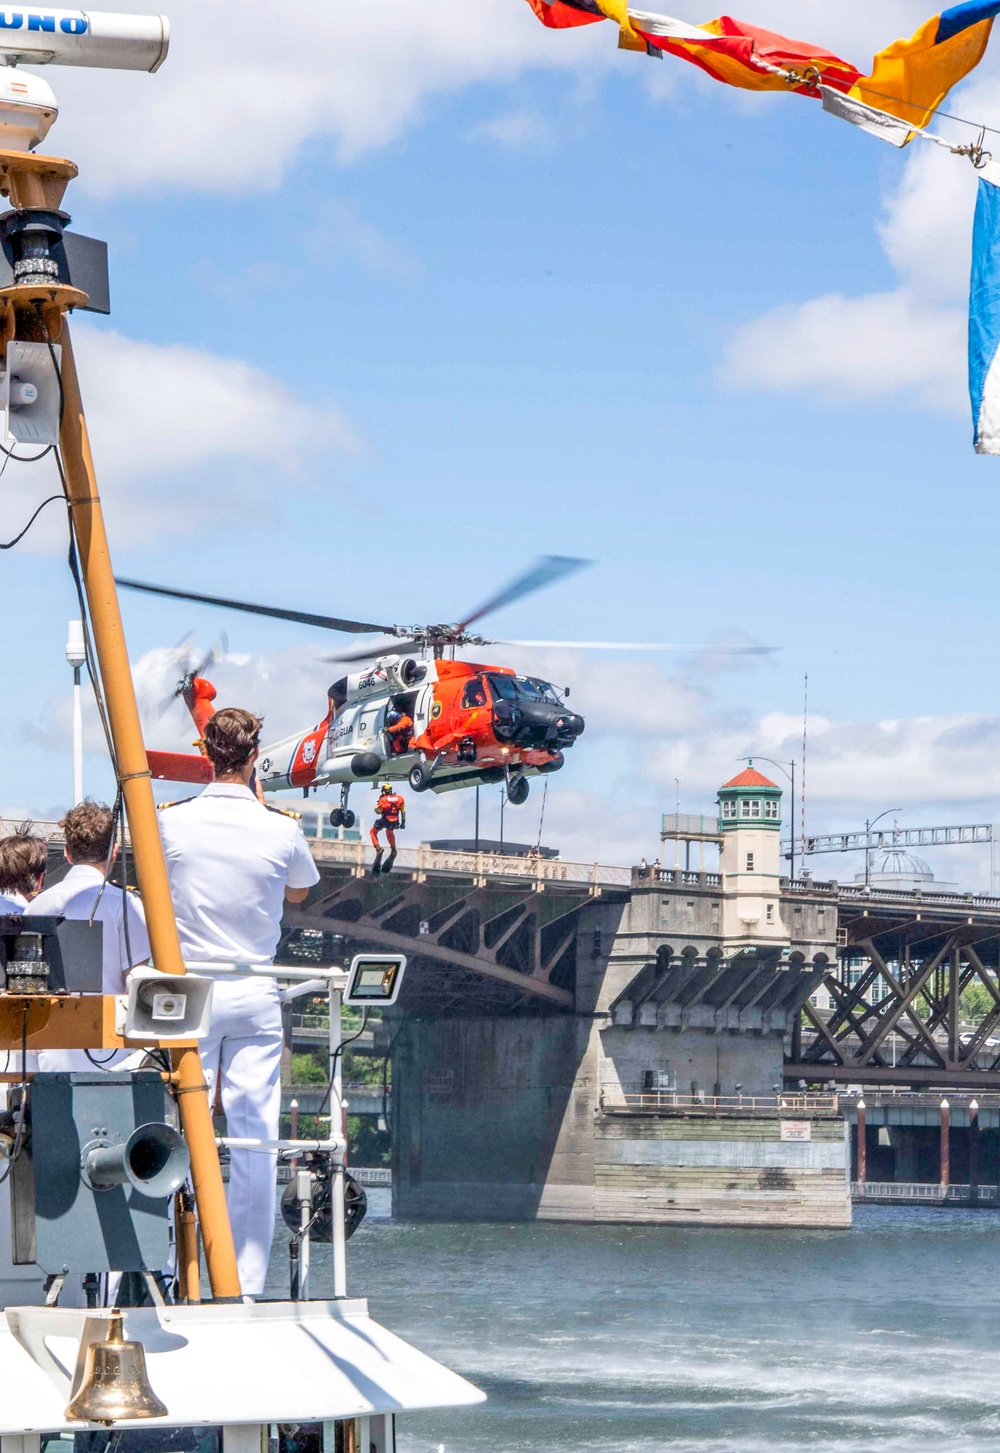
770,913
749,862
729,808
771,808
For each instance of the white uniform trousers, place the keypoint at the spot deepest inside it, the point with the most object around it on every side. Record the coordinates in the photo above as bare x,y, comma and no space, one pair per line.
243,1046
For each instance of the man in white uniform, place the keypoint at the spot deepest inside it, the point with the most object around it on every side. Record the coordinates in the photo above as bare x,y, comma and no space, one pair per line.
84,894
233,863
23,860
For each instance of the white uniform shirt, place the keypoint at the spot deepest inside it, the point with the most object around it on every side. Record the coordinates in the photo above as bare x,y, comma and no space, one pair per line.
230,860
12,903
77,897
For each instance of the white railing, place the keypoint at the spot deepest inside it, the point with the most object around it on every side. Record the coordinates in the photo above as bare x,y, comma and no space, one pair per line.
36,826
921,1191
372,1175
424,859
613,1098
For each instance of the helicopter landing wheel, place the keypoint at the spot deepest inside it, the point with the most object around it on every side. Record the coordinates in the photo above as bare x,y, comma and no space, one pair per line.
337,817
348,818
517,791
420,776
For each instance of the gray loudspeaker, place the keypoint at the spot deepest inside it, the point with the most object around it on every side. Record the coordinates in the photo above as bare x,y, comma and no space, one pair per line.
91,1184
154,1160
167,1006
29,394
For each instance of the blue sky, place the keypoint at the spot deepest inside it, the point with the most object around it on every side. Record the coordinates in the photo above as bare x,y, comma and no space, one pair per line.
471,292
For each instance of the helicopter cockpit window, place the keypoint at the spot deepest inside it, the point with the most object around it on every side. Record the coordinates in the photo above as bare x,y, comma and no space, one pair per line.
537,690
475,693
504,688
523,688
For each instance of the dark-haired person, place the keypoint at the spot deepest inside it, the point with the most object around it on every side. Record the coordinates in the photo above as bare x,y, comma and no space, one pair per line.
233,863
23,859
88,830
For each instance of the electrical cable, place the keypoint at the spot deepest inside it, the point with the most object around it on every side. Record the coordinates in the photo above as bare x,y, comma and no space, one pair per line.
325,1102
25,458
9,544
22,1120
88,645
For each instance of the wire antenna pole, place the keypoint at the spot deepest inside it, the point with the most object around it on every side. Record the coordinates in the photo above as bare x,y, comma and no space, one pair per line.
33,181
802,788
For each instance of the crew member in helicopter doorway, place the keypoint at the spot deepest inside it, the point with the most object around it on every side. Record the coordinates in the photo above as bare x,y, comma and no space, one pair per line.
233,863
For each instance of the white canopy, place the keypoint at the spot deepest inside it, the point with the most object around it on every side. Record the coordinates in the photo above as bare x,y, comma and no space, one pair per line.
260,1362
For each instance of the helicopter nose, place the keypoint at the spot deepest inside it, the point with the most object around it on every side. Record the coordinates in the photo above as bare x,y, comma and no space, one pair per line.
570,725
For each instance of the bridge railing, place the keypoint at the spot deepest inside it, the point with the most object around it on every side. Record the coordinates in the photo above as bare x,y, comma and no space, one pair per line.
858,892
924,1192
613,1098
36,826
424,859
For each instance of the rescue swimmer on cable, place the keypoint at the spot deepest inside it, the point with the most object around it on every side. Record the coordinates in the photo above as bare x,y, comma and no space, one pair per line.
391,810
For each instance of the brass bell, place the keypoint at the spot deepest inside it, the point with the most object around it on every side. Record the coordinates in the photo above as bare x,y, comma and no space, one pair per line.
115,1388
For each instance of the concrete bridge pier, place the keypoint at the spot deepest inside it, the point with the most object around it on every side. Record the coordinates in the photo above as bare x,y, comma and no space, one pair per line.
656,1098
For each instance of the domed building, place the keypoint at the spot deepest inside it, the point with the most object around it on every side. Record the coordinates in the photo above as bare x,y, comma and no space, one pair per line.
902,872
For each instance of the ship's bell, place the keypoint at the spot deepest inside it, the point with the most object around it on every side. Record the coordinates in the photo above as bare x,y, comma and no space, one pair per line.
115,1387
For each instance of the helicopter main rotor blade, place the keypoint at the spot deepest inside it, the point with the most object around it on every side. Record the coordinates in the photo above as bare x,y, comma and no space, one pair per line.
547,570
304,618
369,653
643,646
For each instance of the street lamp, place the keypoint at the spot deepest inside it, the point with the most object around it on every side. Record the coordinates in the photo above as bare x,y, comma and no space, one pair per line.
76,655
868,850
789,770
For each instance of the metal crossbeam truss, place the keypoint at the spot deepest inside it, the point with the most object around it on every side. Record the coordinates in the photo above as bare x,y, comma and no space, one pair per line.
510,944
898,837
916,1031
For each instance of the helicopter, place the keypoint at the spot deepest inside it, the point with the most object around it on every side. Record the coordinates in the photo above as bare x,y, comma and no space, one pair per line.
471,723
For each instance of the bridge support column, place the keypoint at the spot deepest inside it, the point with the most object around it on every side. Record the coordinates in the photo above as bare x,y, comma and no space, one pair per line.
974,1150
862,1175
945,1145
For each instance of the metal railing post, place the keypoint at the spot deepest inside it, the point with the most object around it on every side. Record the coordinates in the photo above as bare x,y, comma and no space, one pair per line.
337,1202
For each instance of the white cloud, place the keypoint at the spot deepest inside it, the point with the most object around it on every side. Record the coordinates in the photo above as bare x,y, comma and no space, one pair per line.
514,129
184,440
857,349
909,341
244,87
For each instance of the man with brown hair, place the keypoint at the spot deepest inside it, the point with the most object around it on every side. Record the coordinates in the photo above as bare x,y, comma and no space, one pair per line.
85,893
233,863
23,859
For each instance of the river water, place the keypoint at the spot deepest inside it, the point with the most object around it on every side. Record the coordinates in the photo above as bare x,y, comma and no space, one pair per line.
636,1339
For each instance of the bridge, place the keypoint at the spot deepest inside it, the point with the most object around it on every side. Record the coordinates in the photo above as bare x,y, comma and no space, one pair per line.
486,933
876,995
542,995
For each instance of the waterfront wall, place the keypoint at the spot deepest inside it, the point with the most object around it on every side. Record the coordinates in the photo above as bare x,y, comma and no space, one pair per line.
721,1170
506,1116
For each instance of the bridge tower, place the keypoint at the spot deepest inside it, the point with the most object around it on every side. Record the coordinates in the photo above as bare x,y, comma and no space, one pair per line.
750,863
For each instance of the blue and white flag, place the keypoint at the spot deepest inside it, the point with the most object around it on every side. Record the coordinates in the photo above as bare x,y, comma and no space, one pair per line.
984,320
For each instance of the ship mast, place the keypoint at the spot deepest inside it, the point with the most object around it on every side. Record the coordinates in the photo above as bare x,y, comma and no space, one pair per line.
34,309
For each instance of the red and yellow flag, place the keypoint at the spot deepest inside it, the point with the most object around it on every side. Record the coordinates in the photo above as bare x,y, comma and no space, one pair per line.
909,78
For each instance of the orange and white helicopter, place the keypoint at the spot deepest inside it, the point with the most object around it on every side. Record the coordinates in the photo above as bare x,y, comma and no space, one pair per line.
415,713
